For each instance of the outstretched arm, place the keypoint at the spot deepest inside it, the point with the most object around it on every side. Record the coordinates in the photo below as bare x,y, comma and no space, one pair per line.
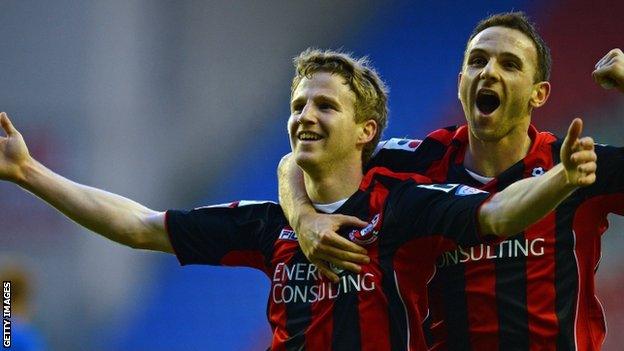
528,200
110,215
609,70
317,232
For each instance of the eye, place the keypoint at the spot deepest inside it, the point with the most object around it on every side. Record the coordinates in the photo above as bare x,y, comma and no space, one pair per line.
296,109
511,65
477,61
326,106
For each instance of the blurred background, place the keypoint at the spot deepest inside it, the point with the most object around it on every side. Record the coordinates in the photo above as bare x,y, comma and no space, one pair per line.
177,104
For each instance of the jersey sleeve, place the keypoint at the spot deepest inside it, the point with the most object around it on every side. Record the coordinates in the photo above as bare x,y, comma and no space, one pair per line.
232,235
445,211
398,155
610,171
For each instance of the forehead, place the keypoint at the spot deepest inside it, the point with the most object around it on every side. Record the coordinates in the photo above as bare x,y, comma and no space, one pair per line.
504,40
324,84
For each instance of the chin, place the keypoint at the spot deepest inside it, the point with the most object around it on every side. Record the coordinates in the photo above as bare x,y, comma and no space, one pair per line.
306,161
485,132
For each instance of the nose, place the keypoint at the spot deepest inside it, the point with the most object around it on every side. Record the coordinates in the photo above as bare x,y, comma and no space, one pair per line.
489,71
307,115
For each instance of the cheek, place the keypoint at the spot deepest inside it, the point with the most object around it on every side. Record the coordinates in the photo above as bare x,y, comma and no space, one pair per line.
290,125
464,85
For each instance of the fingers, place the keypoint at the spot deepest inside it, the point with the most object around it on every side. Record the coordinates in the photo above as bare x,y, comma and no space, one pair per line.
575,129
587,143
584,156
601,76
340,264
609,71
337,256
571,139
7,125
608,57
587,180
585,160
324,269
587,168
339,242
343,221
325,247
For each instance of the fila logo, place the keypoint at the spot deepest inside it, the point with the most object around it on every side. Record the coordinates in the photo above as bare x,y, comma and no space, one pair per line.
402,144
287,234
367,234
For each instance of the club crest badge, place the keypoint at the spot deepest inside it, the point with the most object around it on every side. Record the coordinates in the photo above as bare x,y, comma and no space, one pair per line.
367,234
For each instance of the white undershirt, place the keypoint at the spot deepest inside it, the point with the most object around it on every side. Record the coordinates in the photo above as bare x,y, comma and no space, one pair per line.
330,208
481,179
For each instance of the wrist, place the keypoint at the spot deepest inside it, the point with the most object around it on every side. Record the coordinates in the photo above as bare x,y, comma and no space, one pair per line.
566,179
25,171
304,210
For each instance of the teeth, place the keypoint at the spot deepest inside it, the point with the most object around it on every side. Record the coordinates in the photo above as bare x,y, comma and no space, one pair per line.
308,136
487,92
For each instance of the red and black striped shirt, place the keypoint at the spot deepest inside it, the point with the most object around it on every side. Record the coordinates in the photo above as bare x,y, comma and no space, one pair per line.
534,291
381,308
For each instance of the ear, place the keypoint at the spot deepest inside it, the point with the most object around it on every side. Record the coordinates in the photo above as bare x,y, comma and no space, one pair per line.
541,92
367,131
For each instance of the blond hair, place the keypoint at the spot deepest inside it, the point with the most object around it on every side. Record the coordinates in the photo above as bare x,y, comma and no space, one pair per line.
371,93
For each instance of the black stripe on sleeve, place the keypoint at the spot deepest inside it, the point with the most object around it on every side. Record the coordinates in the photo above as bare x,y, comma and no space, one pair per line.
449,210
610,171
205,235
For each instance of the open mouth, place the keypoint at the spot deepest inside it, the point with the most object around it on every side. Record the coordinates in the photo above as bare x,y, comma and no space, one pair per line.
487,101
308,136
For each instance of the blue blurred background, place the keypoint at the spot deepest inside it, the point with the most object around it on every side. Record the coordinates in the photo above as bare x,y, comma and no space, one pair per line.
177,104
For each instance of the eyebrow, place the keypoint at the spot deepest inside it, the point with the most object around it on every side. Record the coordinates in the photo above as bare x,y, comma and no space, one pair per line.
321,98
506,54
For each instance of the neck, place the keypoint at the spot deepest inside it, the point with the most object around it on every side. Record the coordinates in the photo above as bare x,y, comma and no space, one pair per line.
333,183
491,158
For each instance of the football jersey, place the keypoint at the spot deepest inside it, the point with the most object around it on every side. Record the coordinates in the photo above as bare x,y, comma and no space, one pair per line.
534,291
380,308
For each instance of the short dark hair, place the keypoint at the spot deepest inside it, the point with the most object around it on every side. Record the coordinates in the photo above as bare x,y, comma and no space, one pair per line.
519,21
371,93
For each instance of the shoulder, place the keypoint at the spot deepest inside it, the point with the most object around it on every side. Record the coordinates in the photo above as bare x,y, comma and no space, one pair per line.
413,155
267,211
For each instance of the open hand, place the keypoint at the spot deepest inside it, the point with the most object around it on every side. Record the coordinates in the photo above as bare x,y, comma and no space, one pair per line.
13,151
324,247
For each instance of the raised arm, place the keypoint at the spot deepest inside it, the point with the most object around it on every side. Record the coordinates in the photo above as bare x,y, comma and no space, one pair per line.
609,70
316,232
528,200
110,215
